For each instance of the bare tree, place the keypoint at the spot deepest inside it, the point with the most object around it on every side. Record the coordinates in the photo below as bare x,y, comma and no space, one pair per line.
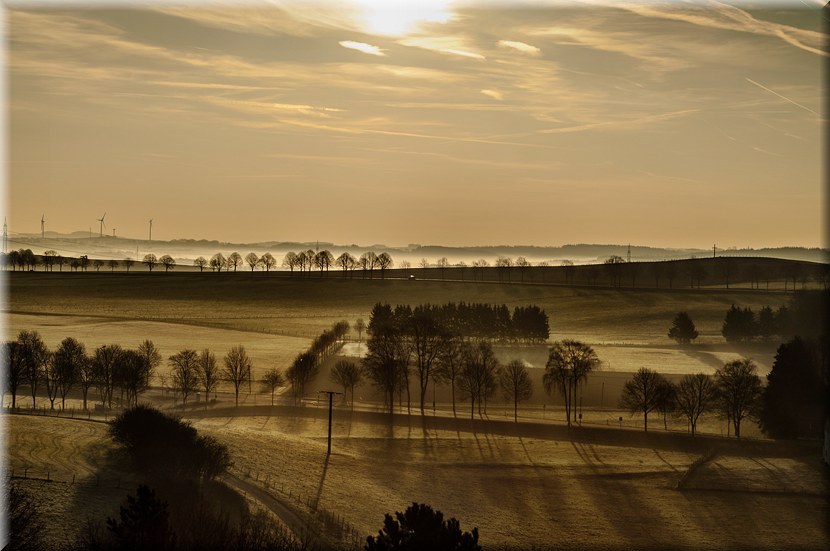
86,377
132,375
234,260
113,264
200,263
104,362
368,261
478,374
185,371
696,394
127,262
569,364
642,393
97,263
151,355
323,260
208,372
14,373
346,262
237,368
404,265
168,262
428,339
150,260
739,390
384,262
69,360
290,260
252,260
49,259
272,380
516,384
34,355
305,367
268,261
217,262
359,325
450,365
346,374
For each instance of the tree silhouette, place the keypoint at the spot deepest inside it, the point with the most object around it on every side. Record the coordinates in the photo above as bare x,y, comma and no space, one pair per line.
208,372
113,264
642,393
185,368
794,402
104,362
143,523
127,262
696,394
683,329
323,260
346,374
739,390
217,262
34,355
237,368
739,325
516,384
252,260
69,360
290,261
359,325
272,380
268,261
234,260
421,528
569,364
168,262
200,263
479,374
15,368
150,261
346,262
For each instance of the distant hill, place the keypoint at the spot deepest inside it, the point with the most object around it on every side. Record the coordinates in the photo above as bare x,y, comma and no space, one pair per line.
107,247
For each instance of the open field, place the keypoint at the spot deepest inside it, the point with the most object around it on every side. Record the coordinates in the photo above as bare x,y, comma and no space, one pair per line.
530,487
276,317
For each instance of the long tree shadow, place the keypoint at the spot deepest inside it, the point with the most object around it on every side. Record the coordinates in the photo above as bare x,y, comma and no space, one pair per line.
321,484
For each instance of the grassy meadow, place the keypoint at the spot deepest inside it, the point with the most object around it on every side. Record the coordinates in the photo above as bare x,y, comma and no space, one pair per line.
531,485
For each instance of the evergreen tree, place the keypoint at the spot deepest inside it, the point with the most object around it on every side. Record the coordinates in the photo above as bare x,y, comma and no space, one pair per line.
683,329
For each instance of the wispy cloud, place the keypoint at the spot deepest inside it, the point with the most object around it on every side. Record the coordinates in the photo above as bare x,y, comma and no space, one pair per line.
519,46
442,44
362,47
493,94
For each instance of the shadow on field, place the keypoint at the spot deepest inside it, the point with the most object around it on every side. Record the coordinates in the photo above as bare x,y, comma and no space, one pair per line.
298,417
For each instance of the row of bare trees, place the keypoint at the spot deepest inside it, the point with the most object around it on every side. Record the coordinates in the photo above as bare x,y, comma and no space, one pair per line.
306,365
734,392
108,368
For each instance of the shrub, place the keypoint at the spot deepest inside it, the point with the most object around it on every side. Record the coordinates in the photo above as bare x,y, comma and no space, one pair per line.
167,446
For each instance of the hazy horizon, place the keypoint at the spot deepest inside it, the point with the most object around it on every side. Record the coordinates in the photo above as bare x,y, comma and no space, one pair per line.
446,123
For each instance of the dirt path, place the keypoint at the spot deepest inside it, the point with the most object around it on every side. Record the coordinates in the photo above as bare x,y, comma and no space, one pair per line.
299,527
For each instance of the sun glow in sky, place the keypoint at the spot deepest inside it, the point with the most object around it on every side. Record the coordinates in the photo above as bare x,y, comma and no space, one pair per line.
434,122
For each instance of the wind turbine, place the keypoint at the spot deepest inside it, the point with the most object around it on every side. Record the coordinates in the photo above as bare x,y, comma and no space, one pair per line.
151,229
101,220
42,226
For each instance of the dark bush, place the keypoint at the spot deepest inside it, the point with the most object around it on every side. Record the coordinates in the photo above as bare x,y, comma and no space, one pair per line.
167,446
419,528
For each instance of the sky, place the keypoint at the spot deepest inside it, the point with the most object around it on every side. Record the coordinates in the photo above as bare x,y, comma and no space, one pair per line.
671,124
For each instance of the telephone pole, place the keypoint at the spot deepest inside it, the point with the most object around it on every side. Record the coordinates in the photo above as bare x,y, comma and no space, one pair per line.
331,394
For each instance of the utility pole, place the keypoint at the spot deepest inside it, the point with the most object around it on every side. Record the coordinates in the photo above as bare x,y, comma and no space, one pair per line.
713,251
5,235
629,253
331,395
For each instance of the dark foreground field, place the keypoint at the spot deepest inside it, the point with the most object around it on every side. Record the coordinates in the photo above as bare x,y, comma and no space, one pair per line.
525,487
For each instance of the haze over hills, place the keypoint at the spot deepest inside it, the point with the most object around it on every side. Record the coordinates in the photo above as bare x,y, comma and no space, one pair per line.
106,247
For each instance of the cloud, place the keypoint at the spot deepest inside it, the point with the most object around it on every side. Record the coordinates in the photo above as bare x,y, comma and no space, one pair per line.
362,47
493,94
519,46
442,44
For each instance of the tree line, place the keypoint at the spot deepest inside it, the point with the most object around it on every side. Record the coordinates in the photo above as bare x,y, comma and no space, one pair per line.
792,404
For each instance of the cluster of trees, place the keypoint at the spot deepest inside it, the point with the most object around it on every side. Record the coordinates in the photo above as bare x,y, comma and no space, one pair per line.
791,405
306,365
404,342
306,261
109,368
433,344
420,527
742,324
192,371
168,447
